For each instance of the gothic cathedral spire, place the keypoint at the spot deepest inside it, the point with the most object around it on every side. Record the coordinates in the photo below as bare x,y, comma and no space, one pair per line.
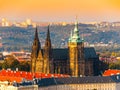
47,54
48,41
35,50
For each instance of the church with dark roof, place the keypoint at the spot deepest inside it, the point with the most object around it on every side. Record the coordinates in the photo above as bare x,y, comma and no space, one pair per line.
76,60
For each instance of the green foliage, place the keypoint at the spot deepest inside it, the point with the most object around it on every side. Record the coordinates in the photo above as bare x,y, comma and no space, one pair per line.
0,66
16,38
114,65
11,62
24,66
105,54
5,65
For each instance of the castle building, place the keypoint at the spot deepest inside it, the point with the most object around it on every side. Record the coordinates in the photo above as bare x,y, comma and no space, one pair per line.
81,83
76,60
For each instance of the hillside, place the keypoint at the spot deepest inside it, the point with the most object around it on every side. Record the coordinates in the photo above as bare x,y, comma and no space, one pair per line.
15,38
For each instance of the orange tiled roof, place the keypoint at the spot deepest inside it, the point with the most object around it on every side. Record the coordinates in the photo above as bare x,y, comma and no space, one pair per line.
111,72
9,75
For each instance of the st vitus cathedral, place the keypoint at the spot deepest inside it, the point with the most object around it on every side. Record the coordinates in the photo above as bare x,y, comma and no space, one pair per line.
76,60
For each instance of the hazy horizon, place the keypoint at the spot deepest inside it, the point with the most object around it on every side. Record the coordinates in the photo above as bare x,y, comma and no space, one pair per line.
60,10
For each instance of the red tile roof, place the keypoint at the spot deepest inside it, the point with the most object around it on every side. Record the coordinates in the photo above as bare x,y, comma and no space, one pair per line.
18,76
111,72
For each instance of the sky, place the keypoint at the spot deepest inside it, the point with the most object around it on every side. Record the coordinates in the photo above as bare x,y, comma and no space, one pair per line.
60,10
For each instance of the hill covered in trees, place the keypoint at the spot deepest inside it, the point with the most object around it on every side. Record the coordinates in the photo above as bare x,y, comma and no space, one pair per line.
16,38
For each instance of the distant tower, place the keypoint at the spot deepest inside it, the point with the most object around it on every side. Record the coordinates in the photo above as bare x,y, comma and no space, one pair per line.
76,53
48,64
36,54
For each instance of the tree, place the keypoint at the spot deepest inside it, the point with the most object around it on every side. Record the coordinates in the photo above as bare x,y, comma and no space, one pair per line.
10,62
114,65
1,65
24,66
5,65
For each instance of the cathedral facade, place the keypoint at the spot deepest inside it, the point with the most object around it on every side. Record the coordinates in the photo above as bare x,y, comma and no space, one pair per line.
76,60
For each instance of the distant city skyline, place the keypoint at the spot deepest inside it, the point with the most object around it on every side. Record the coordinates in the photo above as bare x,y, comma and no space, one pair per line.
60,10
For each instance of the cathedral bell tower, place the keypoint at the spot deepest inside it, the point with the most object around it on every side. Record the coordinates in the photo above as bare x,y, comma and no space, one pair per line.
76,53
48,54
36,55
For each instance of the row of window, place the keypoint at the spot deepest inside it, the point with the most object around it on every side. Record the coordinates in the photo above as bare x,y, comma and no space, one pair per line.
108,86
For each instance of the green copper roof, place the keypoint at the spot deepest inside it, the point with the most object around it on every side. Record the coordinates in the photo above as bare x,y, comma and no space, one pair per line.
75,37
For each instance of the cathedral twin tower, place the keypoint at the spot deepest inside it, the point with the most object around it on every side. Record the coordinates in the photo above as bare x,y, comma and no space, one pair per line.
74,60
41,62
